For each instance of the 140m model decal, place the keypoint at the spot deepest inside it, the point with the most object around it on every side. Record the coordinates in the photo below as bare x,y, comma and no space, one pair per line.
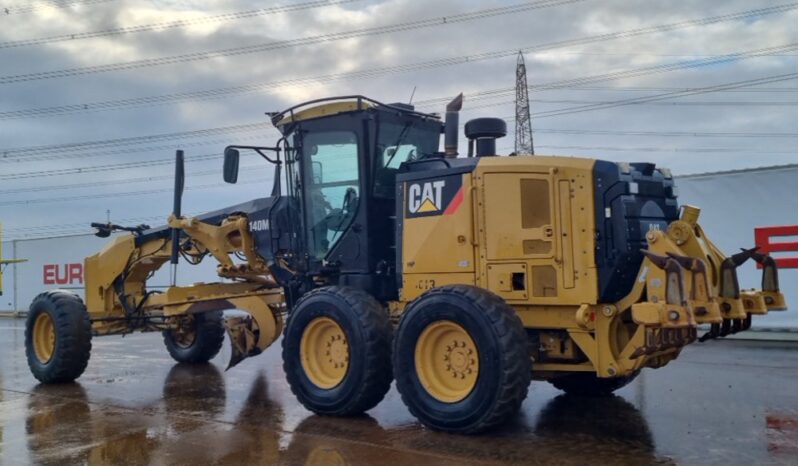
441,196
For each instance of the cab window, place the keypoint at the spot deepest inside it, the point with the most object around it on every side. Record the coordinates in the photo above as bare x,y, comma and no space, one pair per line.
399,142
332,187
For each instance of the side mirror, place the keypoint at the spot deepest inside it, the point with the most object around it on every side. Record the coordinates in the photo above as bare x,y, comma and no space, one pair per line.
230,165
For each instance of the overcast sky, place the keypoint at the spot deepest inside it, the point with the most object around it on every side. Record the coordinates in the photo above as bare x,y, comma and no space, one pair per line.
56,87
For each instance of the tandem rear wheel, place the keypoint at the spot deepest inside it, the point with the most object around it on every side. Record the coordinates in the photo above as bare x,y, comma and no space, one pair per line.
337,351
461,359
589,384
57,337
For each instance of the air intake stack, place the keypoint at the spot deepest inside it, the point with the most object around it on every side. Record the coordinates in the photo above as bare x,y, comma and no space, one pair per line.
484,131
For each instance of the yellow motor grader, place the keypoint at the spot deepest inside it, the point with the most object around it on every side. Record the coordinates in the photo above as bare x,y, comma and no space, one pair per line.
460,277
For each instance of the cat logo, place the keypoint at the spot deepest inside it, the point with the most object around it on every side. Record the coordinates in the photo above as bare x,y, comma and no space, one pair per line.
426,197
429,198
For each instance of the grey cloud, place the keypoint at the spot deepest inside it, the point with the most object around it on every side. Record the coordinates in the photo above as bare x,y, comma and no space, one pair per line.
506,32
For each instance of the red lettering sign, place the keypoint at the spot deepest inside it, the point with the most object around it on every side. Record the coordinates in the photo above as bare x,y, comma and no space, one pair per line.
767,242
68,274
76,273
49,274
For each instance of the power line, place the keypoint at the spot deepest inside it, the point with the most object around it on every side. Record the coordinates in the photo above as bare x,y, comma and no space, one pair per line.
717,150
552,85
13,9
72,147
216,93
72,226
718,103
135,149
691,150
176,24
662,89
49,200
43,231
58,150
667,95
100,168
102,144
214,157
706,134
142,179
40,152
508,91
269,46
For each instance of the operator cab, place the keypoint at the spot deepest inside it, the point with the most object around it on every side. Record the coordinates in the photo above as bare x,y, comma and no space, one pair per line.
341,169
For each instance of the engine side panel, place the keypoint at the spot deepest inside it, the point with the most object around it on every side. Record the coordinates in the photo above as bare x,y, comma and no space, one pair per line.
536,230
522,227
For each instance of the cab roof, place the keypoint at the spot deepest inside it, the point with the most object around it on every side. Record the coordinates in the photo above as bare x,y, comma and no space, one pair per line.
334,105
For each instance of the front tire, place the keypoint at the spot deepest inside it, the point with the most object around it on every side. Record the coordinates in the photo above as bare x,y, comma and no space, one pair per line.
337,351
198,340
461,359
57,337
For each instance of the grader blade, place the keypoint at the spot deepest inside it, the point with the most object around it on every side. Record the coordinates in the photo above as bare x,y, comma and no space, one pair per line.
243,339
251,335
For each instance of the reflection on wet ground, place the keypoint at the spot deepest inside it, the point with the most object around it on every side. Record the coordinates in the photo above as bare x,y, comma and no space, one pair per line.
720,403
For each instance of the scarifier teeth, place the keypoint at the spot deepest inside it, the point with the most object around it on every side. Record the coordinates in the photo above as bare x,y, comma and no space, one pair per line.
686,262
725,327
737,326
758,256
656,259
714,331
770,275
740,258
747,322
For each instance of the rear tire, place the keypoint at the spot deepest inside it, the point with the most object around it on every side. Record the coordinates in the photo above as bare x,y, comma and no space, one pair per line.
199,343
588,384
57,337
461,359
337,351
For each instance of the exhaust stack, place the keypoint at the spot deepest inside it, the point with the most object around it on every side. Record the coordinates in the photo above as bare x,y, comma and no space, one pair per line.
451,126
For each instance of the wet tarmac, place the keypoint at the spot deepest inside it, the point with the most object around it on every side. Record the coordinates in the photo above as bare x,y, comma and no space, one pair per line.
719,403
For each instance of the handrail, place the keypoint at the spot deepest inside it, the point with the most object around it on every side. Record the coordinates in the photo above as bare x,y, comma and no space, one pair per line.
278,116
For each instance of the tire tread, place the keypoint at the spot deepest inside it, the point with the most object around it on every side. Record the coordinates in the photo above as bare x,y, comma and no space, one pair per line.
517,372
73,329
210,337
379,334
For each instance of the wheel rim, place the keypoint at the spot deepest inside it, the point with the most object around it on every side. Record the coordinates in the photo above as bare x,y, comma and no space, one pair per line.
324,352
185,334
447,361
44,337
